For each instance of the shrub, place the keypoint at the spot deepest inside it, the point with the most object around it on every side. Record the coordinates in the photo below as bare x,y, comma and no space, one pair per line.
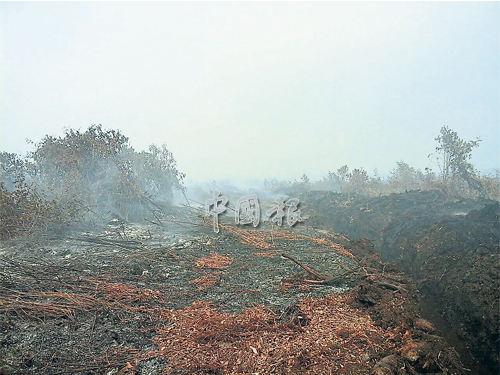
24,211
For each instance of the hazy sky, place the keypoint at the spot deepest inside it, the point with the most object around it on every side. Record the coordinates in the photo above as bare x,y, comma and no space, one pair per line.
254,90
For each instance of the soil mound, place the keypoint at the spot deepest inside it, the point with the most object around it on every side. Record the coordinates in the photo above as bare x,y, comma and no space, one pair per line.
449,246
456,263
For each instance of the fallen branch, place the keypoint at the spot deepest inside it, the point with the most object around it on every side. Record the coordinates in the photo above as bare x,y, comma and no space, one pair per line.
124,244
323,279
309,270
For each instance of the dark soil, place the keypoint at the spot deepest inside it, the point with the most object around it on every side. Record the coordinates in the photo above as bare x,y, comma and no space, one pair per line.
456,263
102,302
448,246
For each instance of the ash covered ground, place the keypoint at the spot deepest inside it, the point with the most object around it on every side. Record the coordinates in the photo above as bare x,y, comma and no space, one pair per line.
177,298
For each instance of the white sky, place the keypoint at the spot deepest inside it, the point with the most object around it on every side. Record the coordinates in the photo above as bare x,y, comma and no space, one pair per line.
254,90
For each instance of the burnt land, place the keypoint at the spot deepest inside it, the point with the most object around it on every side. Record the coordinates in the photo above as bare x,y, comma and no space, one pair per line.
179,299
449,246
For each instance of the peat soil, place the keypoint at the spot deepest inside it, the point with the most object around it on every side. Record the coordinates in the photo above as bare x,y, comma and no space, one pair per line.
449,246
177,298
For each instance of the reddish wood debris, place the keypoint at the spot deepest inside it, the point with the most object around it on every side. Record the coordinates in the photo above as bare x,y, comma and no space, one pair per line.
215,261
323,336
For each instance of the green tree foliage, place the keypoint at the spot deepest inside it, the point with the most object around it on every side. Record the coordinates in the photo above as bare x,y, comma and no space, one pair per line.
99,172
156,172
79,165
404,177
330,182
12,169
25,211
335,180
343,175
453,158
358,181
305,180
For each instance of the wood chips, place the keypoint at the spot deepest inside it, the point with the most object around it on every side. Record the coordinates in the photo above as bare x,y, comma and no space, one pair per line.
325,336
